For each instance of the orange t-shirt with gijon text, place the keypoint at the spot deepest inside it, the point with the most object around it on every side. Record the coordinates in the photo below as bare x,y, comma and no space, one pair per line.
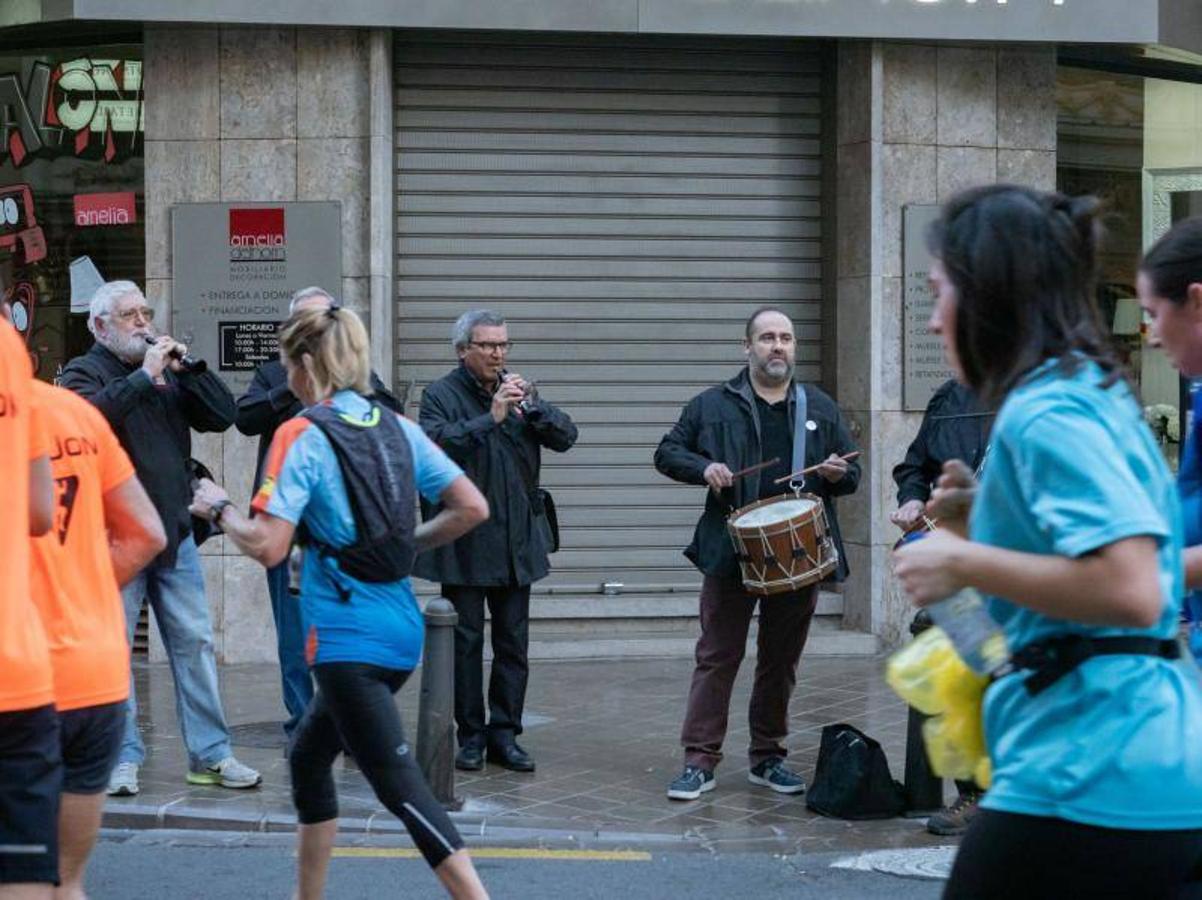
26,681
73,581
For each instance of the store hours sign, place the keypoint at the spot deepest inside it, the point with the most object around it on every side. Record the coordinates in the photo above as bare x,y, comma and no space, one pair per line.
924,365
236,265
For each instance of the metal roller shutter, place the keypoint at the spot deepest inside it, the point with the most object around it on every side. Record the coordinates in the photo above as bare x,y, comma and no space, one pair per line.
624,203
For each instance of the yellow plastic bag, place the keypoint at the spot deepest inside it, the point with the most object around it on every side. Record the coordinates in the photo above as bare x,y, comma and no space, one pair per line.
929,675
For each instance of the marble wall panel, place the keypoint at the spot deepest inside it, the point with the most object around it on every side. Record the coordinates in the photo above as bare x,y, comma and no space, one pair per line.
958,168
856,316
1026,98
854,90
258,170
855,210
967,81
910,91
339,169
248,626
1036,168
908,175
258,82
332,82
181,71
175,172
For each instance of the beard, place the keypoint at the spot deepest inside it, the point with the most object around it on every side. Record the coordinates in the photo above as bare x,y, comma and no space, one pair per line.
774,371
130,348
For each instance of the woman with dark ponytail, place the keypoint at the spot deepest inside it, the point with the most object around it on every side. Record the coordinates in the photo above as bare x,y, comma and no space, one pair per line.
1170,290
1074,539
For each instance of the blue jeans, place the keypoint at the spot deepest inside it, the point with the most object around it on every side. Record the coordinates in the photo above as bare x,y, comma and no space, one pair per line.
177,596
295,678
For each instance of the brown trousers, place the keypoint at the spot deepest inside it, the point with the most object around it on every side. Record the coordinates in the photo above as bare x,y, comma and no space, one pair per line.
726,610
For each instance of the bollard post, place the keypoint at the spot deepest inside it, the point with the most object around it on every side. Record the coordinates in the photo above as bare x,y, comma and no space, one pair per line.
436,707
923,788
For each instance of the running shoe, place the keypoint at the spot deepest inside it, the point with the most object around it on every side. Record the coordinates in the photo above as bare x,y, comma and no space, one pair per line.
227,773
692,783
124,780
771,773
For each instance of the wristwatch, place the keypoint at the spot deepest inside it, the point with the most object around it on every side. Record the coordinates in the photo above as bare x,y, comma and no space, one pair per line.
217,509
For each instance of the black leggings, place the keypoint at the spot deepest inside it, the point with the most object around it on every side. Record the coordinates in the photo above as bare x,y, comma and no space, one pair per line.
354,708
1005,855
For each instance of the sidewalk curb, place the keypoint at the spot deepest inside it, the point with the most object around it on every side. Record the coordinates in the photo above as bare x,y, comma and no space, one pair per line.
179,817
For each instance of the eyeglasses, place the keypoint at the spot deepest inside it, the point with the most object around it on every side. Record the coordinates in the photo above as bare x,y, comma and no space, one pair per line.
492,346
128,315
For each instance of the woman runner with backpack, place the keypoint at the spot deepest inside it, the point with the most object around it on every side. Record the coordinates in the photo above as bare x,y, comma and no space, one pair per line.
1074,539
341,477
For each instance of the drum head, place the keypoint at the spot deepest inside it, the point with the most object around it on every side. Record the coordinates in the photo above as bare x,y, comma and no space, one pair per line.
781,511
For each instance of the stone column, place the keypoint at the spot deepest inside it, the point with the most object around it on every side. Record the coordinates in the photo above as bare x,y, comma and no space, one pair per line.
255,114
915,124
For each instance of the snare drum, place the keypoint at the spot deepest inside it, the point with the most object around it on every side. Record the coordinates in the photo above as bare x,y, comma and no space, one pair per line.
782,543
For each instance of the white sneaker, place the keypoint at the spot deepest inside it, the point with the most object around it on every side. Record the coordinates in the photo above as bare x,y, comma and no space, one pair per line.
124,780
227,773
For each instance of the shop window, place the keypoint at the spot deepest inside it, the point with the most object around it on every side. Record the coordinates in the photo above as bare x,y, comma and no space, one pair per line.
71,186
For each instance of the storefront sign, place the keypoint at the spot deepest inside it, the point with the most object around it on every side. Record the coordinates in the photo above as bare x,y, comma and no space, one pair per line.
105,209
924,365
237,266
84,107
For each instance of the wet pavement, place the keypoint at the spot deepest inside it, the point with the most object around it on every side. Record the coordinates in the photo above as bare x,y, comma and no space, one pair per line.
604,735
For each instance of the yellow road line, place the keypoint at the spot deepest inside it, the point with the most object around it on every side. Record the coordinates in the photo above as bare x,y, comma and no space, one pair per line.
500,853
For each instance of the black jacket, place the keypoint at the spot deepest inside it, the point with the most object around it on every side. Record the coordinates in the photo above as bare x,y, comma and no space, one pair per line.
721,425
152,422
952,428
511,547
268,403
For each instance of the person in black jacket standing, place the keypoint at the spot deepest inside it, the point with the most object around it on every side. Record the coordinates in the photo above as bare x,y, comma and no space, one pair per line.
493,424
267,404
136,378
953,427
748,420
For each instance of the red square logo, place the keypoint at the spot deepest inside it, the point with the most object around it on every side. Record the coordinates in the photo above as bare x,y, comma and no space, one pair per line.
259,227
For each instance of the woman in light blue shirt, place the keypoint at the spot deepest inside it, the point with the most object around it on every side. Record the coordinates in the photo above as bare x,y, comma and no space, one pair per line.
1075,540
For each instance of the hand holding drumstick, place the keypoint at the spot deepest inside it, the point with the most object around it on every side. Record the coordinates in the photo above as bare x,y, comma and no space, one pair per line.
833,468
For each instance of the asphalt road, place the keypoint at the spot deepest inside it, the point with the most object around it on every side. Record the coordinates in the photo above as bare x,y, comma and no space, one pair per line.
216,865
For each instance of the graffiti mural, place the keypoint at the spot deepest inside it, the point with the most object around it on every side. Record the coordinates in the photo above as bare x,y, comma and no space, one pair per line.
88,108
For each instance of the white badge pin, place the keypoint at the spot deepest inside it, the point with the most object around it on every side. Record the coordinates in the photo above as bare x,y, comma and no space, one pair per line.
811,425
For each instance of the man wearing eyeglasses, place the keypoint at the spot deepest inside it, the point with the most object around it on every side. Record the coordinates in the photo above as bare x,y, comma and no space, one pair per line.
493,424
136,378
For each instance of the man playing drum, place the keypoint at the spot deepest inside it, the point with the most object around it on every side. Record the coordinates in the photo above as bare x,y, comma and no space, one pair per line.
752,419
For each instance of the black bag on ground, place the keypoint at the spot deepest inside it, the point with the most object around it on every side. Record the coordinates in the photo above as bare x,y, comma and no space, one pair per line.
852,779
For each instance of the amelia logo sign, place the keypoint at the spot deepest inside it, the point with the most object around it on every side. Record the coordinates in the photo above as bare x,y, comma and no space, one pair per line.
257,235
105,209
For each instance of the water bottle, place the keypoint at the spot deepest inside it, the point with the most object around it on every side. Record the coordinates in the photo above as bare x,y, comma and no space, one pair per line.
296,558
978,639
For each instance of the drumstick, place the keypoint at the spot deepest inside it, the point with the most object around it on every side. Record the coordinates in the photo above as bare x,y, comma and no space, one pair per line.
750,469
804,472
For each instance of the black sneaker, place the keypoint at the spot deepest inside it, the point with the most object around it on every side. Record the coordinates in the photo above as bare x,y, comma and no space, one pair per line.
691,783
771,773
954,819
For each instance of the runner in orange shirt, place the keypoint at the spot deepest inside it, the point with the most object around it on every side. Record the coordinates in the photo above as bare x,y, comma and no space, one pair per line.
30,765
105,530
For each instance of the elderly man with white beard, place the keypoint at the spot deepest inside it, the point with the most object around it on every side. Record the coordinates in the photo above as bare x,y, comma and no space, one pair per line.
151,397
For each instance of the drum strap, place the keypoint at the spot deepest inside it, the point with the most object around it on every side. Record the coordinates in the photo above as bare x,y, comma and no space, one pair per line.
800,416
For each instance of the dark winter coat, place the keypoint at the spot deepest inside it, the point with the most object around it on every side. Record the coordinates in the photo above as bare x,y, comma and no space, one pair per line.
152,422
953,427
721,424
511,547
268,403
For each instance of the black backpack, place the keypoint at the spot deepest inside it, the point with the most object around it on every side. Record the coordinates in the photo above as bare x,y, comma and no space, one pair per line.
852,779
377,469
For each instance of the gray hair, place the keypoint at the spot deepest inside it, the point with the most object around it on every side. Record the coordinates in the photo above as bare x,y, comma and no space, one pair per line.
105,297
307,292
461,334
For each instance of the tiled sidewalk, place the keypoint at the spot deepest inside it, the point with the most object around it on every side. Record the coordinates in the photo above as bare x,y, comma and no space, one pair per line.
604,735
